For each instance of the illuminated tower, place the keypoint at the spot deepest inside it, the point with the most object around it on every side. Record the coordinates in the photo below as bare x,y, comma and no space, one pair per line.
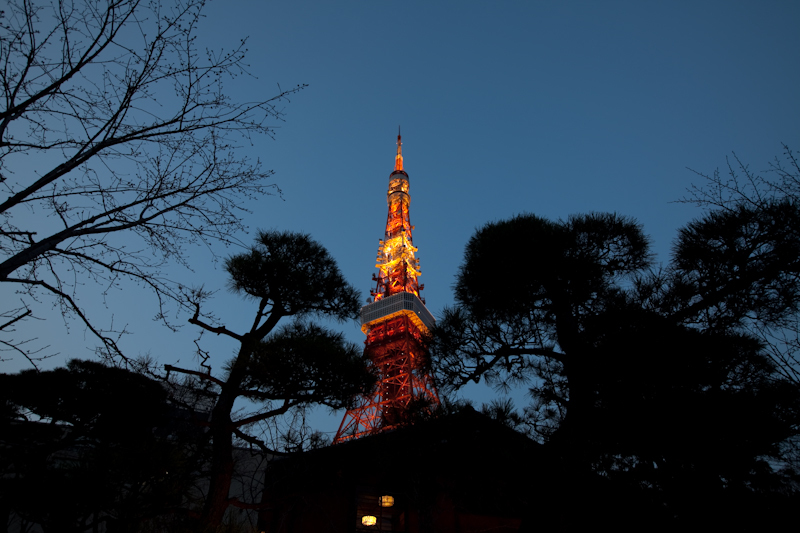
394,323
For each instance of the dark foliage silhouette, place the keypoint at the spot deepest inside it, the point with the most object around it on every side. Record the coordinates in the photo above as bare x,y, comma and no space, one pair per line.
642,376
279,368
88,447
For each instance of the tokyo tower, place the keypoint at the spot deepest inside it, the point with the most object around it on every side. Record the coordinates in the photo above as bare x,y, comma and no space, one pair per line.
395,323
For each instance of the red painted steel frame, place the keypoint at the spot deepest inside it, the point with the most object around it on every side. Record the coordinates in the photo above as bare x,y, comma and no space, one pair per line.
394,345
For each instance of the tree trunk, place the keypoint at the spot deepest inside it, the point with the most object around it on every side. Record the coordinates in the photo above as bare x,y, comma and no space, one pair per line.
221,470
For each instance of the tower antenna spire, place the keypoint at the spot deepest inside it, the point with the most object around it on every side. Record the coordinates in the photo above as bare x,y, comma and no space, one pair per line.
398,160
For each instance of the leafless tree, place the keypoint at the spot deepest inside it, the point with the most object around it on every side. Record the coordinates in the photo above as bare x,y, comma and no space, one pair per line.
117,150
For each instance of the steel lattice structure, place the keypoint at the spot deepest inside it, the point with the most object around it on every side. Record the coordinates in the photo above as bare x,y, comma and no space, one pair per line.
395,324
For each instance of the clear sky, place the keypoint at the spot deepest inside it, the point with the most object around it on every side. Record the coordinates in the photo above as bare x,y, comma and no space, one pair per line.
506,107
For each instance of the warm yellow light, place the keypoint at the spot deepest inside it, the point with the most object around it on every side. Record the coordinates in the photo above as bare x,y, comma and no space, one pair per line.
398,160
369,520
387,501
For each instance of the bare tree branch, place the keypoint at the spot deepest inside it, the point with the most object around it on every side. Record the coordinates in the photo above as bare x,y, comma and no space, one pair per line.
201,375
108,342
219,330
16,319
266,414
256,442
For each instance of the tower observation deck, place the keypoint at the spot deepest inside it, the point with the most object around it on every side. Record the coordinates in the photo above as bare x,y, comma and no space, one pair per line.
395,323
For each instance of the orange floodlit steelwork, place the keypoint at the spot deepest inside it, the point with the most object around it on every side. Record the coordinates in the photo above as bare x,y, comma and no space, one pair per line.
395,322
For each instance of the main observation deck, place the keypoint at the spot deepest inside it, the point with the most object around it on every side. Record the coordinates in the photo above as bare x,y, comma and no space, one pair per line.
402,303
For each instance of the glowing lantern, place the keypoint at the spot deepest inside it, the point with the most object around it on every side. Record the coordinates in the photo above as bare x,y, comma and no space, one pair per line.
368,520
387,501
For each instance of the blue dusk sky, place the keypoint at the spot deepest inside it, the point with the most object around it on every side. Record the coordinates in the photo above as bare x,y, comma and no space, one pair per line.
547,107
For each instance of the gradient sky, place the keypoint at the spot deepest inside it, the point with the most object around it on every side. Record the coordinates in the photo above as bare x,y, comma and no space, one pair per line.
506,107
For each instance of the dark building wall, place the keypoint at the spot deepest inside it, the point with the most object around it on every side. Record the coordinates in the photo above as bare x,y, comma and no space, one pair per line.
457,474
